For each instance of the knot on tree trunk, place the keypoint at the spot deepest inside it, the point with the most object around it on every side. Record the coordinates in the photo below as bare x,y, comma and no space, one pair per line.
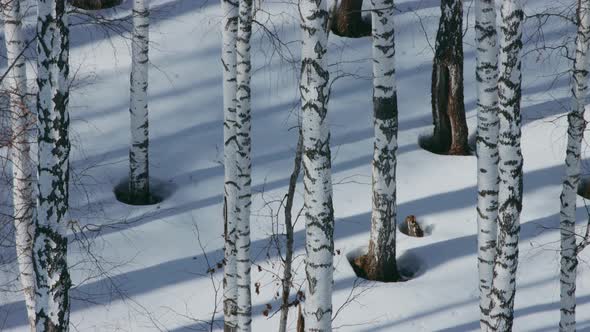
347,20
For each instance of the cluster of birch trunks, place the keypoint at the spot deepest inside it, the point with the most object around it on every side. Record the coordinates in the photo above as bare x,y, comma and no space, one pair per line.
499,166
40,197
41,185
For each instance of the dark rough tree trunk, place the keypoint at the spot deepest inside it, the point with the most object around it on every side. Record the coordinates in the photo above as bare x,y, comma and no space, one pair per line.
347,20
448,109
94,4
50,249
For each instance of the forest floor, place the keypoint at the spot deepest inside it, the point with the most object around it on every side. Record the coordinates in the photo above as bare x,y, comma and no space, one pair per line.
148,267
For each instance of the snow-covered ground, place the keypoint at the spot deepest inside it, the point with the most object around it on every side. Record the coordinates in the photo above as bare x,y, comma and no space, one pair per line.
149,272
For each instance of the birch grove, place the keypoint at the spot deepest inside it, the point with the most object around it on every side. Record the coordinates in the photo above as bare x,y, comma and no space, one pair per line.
228,60
487,149
381,258
510,167
50,251
22,123
139,182
243,164
319,211
575,134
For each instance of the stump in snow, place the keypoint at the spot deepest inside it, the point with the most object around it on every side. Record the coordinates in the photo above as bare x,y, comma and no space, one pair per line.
413,226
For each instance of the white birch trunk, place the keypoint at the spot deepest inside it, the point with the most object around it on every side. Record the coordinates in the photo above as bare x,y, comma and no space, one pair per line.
487,149
50,240
228,59
139,185
20,151
576,126
244,165
319,211
510,167
381,252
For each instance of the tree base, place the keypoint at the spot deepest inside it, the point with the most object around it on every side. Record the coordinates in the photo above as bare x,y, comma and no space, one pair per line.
366,267
95,4
437,146
408,266
159,192
584,187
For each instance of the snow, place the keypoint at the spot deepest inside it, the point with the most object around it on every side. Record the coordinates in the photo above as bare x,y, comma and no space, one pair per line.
155,259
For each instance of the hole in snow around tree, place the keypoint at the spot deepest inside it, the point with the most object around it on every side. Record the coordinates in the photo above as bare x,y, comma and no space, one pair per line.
427,142
159,191
584,187
409,266
95,4
421,230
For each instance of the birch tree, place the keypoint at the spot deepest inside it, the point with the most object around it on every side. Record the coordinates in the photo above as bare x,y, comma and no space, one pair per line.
244,164
228,60
487,148
50,241
20,150
319,211
139,184
510,167
381,261
448,109
575,134
287,280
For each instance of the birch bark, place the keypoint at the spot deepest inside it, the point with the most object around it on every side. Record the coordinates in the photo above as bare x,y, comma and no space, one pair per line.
575,134
319,211
244,164
139,184
381,254
510,167
487,149
229,62
50,249
20,151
